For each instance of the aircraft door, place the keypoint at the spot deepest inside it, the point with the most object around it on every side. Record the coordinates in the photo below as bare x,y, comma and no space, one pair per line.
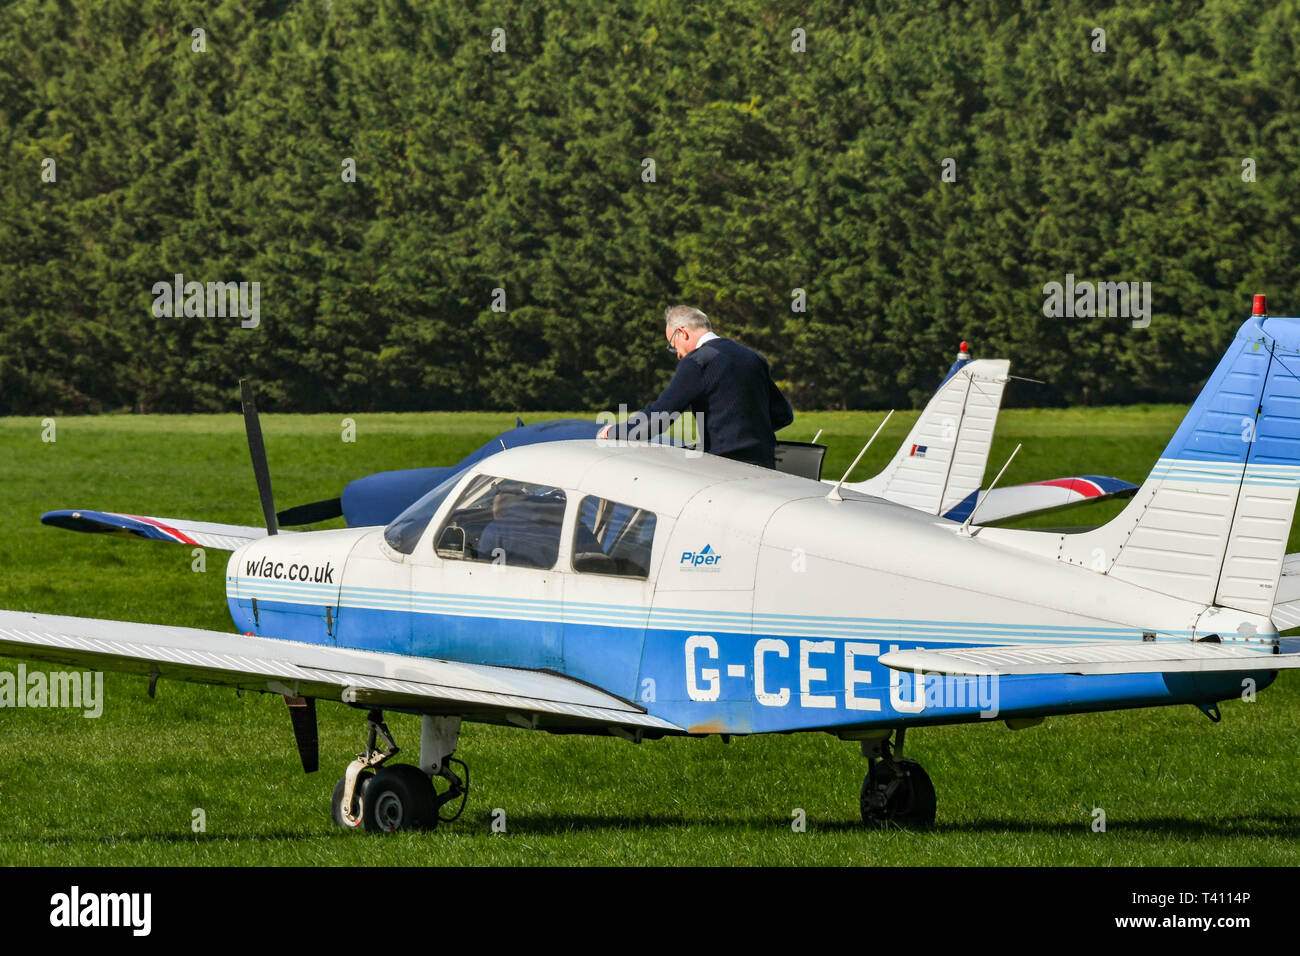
613,555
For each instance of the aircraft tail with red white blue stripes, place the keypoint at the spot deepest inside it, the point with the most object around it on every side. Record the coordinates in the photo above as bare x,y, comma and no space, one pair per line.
940,466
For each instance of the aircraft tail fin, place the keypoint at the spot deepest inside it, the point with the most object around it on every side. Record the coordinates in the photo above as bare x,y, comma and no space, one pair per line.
1211,521
942,460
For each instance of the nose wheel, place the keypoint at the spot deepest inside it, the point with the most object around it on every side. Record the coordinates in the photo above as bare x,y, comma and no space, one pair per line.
895,790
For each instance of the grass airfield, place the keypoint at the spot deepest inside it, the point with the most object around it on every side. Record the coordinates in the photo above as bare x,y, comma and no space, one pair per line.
123,788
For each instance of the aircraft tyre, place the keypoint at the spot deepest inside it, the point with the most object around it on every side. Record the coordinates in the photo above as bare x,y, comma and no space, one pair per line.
336,802
898,791
401,797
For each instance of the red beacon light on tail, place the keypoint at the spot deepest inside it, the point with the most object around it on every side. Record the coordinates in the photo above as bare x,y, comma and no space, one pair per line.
963,350
1260,307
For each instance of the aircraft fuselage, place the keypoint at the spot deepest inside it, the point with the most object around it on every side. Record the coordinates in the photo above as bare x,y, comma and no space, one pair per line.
766,606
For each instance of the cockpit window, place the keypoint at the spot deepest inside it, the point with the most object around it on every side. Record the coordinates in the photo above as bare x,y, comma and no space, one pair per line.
404,531
612,538
506,522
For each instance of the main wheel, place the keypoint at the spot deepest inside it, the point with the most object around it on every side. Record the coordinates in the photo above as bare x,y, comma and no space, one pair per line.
359,791
400,797
912,802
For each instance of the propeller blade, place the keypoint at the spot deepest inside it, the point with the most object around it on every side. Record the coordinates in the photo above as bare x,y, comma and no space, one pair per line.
311,513
256,448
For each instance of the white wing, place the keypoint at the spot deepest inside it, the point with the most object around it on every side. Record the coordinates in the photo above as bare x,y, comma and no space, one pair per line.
473,691
205,534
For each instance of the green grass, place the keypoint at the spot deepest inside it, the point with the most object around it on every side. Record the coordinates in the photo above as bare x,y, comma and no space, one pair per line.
121,789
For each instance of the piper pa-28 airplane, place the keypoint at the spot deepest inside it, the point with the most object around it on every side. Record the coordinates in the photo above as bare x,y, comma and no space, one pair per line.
640,591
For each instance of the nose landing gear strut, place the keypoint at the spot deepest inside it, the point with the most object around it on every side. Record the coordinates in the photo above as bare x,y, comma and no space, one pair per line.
385,799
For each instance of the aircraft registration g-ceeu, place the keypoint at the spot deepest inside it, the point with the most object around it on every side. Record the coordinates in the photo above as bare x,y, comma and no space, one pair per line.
644,590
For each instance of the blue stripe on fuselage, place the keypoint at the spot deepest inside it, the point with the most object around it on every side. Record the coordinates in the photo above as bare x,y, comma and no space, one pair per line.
669,618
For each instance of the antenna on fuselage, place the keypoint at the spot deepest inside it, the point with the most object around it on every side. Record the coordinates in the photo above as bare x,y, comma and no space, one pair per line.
818,435
965,528
835,492
257,449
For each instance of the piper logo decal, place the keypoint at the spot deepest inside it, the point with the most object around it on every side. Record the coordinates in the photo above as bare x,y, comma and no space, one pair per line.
706,559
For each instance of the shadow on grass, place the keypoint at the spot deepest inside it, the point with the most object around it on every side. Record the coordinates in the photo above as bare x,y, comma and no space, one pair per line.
106,840
1245,826
1248,826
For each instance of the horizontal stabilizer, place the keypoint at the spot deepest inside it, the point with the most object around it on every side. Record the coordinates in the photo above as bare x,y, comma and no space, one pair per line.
204,534
1115,657
1035,497
372,678
1286,607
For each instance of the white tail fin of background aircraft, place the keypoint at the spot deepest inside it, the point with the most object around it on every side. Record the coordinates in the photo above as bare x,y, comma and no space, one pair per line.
941,462
940,465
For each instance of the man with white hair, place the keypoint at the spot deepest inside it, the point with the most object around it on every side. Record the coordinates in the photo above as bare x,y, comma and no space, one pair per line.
727,386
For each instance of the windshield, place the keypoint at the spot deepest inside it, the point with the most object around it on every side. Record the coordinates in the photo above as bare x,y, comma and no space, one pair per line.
405,530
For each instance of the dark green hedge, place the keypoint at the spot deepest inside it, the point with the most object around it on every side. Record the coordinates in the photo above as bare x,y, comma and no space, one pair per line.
523,170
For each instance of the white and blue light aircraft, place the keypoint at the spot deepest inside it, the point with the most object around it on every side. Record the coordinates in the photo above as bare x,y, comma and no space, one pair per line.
643,591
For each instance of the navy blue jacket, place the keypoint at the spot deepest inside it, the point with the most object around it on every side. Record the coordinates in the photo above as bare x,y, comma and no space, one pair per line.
731,387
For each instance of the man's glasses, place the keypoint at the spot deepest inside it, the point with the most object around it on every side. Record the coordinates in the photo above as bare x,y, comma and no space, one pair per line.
671,347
